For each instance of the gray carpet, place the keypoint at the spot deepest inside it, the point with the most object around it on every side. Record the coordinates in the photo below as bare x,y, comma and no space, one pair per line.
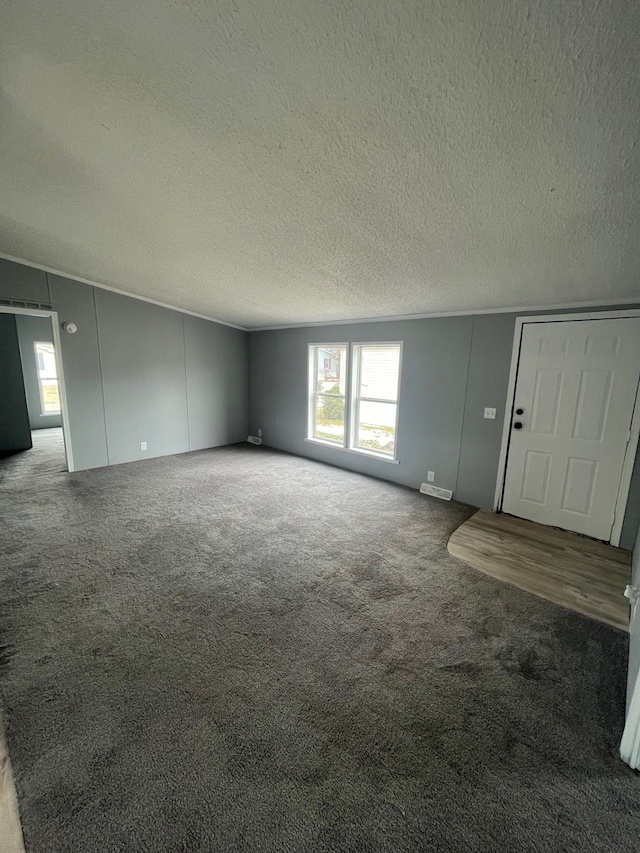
46,457
241,650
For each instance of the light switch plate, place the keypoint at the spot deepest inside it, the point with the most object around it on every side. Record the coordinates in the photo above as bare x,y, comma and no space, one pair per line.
490,413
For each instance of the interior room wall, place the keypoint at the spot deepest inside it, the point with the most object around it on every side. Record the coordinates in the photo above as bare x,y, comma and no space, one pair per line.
15,433
632,515
217,369
135,372
452,368
143,345
18,281
80,353
30,330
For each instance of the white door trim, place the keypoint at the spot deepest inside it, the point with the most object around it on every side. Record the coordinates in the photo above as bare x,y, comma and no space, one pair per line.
627,471
625,480
630,744
64,410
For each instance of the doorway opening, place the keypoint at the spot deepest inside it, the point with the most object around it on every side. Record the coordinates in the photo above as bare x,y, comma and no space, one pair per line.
34,436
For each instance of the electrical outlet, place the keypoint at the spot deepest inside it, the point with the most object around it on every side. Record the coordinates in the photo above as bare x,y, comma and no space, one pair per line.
143,445
259,433
431,475
490,414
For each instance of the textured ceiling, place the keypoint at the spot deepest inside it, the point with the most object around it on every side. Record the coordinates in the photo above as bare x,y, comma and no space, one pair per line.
277,161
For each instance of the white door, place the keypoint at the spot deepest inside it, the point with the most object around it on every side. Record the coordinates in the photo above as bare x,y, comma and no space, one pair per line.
573,404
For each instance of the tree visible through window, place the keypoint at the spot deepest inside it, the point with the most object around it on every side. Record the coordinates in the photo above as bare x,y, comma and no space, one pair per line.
329,384
47,378
362,416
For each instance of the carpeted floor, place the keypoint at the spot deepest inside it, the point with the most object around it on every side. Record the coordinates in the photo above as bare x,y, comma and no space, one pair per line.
240,650
46,457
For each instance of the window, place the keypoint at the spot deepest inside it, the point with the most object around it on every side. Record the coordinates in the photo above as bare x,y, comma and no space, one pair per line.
376,371
47,378
328,380
360,414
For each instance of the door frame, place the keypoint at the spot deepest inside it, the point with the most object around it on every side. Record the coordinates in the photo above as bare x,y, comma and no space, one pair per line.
630,743
630,455
64,409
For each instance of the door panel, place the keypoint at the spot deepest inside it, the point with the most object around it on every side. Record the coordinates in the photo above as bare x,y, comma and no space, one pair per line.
579,484
576,385
546,401
593,404
536,476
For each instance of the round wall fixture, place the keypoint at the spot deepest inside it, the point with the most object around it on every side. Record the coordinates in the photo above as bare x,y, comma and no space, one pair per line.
70,328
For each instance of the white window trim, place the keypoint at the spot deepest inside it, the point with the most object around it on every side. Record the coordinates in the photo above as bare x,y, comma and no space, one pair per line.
357,450
350,398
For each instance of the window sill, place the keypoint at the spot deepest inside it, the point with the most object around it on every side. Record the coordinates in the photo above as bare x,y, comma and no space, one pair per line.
355,450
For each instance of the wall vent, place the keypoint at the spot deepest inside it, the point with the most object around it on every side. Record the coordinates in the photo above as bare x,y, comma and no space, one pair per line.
20,303
253,439
436,491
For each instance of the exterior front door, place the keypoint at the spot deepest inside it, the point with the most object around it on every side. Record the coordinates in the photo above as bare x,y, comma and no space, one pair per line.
574,399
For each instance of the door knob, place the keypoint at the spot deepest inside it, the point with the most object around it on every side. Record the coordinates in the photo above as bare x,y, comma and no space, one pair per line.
517,425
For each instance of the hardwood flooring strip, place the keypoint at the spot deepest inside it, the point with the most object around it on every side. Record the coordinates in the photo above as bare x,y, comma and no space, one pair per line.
573,571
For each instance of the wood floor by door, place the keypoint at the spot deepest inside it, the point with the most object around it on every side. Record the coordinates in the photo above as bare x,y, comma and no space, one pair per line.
570,570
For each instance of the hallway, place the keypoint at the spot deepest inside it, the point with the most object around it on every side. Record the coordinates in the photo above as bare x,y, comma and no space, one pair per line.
46,457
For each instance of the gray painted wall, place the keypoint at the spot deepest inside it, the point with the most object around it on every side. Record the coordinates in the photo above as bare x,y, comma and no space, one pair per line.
15,433
217,365
136,372
23,283
632,515
30,330
487,380
431,399
143,376
82,372
451,369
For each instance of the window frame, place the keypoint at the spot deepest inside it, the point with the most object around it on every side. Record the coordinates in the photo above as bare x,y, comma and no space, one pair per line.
356,398
351,398
314,394
40,379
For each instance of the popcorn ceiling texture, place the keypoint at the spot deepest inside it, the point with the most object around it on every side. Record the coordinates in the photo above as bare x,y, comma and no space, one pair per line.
276,161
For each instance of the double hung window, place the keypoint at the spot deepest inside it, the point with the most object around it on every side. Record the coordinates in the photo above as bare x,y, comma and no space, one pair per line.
353,396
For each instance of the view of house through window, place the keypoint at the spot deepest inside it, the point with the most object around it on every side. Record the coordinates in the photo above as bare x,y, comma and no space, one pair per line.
329,384
376,374
47,378
362,416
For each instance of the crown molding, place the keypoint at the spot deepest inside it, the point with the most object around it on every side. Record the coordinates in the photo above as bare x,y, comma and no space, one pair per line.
471,312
